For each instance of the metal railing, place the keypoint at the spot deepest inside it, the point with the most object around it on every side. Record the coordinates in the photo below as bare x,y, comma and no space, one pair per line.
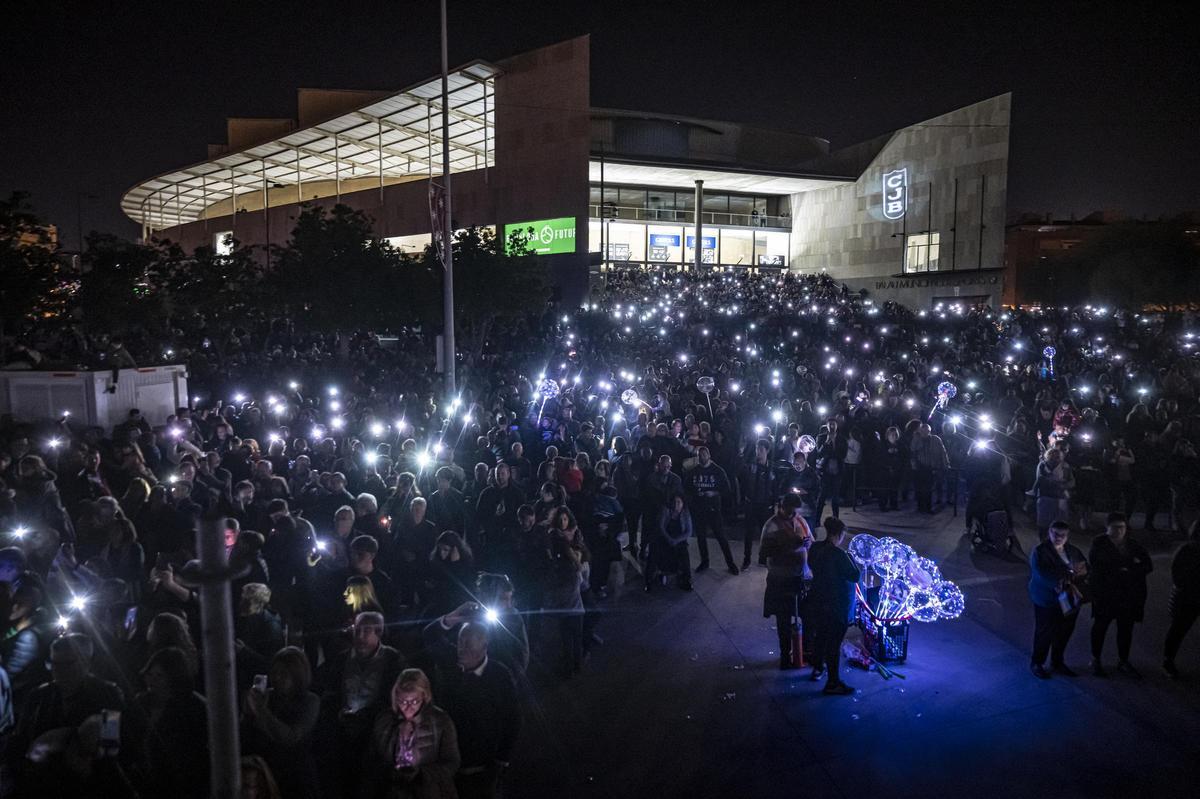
641,214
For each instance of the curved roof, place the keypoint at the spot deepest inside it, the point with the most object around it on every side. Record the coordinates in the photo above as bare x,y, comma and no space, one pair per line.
397,137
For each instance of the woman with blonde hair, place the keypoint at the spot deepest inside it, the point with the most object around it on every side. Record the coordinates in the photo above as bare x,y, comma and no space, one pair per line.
134,498
414,746
360,596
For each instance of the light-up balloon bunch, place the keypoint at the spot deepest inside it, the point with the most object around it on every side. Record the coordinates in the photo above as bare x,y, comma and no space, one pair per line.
946,391
1049,354
911,586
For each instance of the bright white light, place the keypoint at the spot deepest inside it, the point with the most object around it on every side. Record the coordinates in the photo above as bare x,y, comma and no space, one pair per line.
335,406
878,403
735,387
314,433
64,622
423,460
956,419
371,458
273,437
466,418
333,391
438,447
777,416
910,402
377,429
935,369
337,423
491,615
1143,391
986,425
239,397
78,602
54,443
822,410
759,429
293,385
20,532
971,384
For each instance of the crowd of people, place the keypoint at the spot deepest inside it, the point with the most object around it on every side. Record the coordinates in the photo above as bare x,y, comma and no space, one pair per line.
408,565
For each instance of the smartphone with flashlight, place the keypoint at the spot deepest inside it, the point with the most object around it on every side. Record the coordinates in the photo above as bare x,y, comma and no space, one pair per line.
260,684
110,732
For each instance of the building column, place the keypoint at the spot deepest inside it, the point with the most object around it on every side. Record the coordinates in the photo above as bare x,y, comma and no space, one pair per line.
699,249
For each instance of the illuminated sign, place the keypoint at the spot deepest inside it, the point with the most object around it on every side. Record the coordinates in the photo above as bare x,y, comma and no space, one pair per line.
663,240
545,236
895,193
706,242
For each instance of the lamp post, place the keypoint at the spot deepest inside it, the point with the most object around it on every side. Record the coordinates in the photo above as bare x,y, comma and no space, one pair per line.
447,227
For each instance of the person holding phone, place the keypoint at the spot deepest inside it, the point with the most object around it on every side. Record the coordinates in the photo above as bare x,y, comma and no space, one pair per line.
1057,571
278,723
414,750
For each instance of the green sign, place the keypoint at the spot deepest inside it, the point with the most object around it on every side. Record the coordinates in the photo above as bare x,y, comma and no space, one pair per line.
548,237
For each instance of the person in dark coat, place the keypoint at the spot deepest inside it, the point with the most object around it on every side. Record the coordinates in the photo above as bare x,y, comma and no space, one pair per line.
1185,597
1119,566
1056,566
669,546
708,487
480,696
829,603
177,735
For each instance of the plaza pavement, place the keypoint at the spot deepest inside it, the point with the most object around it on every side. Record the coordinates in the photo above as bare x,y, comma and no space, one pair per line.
685,698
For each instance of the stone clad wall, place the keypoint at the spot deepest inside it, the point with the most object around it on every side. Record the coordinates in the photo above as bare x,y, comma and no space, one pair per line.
843,230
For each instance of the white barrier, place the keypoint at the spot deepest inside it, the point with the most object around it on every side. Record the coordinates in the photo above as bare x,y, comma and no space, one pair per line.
94,397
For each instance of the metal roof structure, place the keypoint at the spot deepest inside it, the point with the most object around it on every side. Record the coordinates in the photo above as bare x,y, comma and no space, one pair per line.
715,177
399,136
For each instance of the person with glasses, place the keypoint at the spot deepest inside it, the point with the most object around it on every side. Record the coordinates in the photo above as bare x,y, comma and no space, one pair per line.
414,745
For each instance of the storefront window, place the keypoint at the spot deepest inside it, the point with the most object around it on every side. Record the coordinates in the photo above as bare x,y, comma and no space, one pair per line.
737,247
626,242
664,244
771,249
921,252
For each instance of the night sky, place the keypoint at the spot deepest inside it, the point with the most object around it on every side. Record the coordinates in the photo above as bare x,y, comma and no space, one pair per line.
95,98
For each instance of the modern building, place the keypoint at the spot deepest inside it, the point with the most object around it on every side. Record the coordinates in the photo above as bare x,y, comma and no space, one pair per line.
916,214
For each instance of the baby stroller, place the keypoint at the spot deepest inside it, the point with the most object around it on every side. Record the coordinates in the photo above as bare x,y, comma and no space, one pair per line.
989,520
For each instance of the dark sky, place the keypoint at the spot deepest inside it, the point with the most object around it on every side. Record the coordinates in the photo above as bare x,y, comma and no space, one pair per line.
96,97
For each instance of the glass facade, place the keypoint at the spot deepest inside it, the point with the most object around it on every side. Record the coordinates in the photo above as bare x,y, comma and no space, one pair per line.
635,242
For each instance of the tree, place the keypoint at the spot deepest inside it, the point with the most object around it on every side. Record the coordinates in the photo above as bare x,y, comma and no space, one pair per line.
1142,264
118,283
491,282
29,269
337,274
219,286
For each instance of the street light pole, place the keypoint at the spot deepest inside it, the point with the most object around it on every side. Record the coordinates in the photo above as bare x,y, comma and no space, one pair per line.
447,226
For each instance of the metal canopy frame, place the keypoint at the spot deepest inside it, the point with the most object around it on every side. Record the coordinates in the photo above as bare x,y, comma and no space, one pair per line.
388,138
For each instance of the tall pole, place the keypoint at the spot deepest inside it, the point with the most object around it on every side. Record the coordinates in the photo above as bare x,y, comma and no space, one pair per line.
699,226
447,248
220,686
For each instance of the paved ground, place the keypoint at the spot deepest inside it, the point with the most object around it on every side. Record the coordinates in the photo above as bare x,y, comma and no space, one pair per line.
685,699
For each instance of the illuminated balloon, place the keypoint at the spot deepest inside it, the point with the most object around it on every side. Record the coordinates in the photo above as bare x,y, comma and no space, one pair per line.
548,388
951,599
807,444
706,384
862,548
1049,352
801,370
923,605
891,558
947,389
629,396
923,572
